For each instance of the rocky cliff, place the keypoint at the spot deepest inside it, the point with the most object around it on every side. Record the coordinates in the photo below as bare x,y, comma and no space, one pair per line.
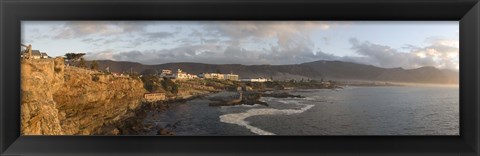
57,99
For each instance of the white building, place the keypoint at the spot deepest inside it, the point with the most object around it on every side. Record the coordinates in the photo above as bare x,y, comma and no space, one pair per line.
183,75
231,76
36,54
212,76
167,73
256,80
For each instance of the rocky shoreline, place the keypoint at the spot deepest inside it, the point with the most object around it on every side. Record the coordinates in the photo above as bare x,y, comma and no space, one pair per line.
134,124
251,98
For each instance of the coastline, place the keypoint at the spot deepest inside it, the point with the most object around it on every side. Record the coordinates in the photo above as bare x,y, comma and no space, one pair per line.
134,125
137,125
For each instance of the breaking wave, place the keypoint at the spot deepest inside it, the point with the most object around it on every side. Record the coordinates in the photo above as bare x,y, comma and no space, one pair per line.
242,105
239,118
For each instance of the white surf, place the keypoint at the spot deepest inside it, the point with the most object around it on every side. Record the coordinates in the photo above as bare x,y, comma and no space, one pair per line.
239,118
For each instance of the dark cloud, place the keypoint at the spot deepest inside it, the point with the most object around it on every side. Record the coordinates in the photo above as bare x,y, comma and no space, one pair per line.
379,55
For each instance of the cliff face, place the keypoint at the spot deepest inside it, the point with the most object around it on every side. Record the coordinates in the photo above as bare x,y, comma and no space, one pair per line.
73,101
39,80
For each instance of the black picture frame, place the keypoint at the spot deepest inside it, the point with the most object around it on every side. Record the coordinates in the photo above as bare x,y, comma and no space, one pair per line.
465,11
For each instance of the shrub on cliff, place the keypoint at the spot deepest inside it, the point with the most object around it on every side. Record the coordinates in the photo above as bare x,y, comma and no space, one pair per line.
57,70
148,72
95,78
169,85
257,85
94,65
74,56
151,83
82,63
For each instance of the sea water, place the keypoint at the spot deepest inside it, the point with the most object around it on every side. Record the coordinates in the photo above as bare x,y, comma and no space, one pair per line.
386,110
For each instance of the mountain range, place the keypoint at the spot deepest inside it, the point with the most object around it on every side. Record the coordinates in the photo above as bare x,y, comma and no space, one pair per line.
328,70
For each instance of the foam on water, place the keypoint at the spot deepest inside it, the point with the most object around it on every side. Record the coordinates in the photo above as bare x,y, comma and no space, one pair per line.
242,105
239,118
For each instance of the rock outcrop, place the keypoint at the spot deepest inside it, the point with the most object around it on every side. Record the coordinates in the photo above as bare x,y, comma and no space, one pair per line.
57,99
39,80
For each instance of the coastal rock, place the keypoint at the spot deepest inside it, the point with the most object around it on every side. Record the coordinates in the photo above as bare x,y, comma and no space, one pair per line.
282,95
163,131
247,98
39,114
65,100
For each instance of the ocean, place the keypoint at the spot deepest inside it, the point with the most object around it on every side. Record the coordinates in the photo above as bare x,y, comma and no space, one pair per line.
385,110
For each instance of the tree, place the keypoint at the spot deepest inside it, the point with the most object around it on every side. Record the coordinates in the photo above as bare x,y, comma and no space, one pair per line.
169,85
94,65
218,71
74,56
148,72
174,89
82,63
148,83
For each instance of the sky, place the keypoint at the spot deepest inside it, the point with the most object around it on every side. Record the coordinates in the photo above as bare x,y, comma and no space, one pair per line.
387,44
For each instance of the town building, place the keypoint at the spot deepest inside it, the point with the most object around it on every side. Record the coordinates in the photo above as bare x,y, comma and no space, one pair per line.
231,76
326,84
183,75
36,54
118,74
154,96
167,73
256,80
212,76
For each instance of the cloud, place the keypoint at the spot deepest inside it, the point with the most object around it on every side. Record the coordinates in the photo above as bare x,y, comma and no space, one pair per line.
233,42
240,42
440,53
76,29
196,53
283,31
157,35
101,55
281,42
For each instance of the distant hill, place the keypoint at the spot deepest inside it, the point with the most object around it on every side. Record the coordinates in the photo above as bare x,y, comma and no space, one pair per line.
329,70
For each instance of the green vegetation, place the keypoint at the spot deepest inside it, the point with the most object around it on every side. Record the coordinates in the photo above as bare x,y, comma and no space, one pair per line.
169,86
302,84
94,65
223,84
95,78
82,63
257,85
74,56
152,83
148,72
155,84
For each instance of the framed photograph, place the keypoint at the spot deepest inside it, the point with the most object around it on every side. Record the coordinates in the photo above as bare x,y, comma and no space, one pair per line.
239,77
